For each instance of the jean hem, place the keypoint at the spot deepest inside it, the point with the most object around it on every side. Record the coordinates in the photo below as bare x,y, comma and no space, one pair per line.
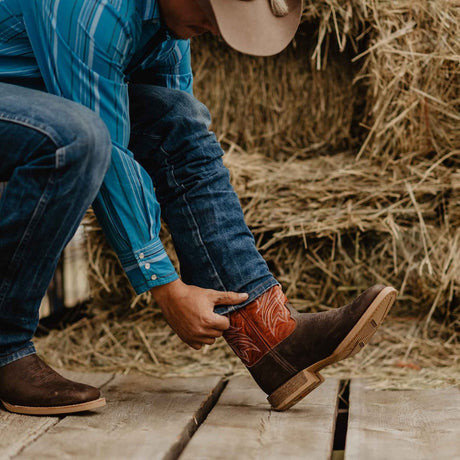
253,294
21,353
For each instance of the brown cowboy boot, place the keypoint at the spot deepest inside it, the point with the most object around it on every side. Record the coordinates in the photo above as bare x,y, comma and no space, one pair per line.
29,386
284,350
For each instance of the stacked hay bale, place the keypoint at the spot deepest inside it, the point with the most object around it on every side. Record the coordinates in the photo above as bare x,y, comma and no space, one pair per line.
278,106
345,153
388,210
343,150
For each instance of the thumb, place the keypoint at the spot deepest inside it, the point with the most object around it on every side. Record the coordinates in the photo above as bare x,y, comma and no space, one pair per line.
229,297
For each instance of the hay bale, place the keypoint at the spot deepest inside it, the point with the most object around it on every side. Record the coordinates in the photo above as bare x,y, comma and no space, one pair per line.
413,73
409,53
279,106
335,227
397,195
338,225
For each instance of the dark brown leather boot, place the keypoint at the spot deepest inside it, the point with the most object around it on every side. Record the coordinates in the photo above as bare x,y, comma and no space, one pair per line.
284,350
29,386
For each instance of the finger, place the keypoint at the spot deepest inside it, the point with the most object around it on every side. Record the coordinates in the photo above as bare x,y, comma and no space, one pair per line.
195,345
231,298
216,333
219,323
207,340
212,334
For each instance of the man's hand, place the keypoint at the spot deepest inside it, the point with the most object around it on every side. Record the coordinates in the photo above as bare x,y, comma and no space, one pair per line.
189,310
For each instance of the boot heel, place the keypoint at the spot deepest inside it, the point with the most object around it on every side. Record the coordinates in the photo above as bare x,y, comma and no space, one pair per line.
295,389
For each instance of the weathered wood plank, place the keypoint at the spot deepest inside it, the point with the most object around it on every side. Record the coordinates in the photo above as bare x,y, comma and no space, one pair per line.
144,418
242,425
18,431
403,424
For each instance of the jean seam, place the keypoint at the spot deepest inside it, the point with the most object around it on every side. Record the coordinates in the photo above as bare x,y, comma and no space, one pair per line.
196,226
38,212
53,137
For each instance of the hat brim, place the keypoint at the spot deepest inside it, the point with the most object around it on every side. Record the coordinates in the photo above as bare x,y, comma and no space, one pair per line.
251,28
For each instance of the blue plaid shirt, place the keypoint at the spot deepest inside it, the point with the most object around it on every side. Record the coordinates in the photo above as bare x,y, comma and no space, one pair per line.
85,50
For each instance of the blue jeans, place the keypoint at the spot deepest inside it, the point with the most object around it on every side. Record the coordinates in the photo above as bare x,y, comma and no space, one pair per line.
54,154
171,140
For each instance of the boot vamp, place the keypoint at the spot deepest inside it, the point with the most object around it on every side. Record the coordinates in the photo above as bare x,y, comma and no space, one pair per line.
31,382
317,335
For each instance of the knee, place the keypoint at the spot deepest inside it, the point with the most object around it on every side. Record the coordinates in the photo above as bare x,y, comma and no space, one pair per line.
187,130
166,113
88,150
186,107
75,132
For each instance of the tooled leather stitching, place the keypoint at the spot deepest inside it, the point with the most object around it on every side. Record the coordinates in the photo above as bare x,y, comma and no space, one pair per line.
245,335
277,357
240,343
269,310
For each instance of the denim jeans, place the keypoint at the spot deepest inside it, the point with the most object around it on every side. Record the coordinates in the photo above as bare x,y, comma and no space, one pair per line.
171,140
54,154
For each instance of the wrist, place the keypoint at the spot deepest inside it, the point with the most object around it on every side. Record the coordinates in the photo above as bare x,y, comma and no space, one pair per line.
167,290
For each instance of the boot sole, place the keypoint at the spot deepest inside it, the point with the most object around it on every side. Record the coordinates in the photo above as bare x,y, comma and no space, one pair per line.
54,410
307,380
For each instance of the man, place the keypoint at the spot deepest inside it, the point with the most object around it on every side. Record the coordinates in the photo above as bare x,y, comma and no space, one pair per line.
162,156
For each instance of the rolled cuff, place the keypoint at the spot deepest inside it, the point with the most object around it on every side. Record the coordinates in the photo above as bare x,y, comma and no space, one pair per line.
148,266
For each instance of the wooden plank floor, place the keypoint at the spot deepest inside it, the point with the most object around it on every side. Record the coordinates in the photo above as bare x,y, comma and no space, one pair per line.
243,426
205,418
410,425
18,431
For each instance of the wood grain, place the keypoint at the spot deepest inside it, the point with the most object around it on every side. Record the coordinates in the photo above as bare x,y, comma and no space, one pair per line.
403,424
19,431
145,417
242,425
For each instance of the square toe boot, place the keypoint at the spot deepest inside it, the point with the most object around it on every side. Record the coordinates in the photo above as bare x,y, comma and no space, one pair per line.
30,386
284,350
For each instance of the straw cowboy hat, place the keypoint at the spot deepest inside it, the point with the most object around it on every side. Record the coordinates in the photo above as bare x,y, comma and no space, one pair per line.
257,27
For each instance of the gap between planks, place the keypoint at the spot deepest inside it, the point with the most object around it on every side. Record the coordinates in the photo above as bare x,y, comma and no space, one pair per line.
242,425
144,418
179,418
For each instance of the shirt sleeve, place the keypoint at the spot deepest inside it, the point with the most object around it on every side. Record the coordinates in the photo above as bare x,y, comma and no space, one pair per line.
172,70
81,61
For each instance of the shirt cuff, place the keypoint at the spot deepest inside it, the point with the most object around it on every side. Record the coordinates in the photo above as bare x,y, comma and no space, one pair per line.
148,267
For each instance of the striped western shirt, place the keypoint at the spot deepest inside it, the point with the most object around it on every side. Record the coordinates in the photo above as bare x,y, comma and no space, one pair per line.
85,50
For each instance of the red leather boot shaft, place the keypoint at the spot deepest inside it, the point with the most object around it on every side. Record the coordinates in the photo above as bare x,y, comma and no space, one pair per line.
260,326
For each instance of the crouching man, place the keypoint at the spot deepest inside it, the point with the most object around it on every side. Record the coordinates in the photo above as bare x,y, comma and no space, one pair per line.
96,106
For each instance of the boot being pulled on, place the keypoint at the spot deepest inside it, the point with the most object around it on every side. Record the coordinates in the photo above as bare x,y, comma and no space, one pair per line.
29,386
284,350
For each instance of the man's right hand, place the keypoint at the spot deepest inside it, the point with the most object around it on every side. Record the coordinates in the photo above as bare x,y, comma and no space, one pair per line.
189,310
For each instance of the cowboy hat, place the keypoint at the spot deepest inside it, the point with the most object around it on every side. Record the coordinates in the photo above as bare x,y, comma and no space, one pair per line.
257,27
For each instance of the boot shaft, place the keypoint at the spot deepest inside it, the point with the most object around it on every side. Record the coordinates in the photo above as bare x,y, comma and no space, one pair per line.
260,326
